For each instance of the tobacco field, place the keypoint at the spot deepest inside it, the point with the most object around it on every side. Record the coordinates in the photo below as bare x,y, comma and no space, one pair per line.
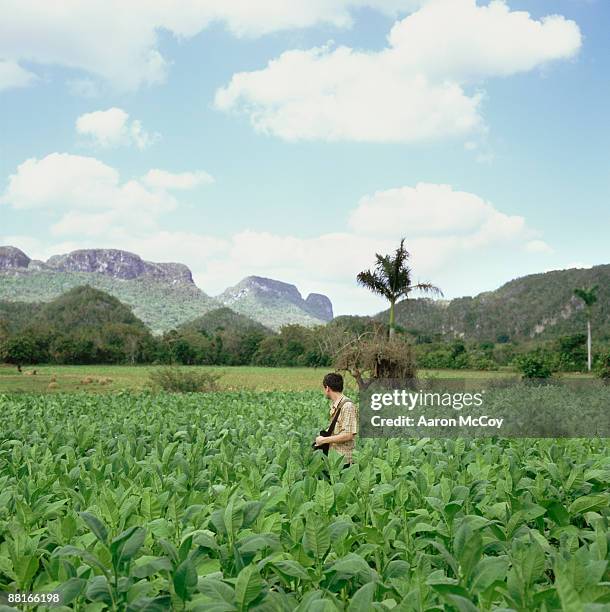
215,502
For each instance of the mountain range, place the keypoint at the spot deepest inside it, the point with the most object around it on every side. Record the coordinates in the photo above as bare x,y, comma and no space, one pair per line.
163,295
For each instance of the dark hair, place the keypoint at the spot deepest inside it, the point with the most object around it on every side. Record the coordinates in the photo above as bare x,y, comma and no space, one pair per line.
334,381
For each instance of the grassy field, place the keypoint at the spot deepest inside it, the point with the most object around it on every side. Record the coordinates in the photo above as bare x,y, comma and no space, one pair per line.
115,378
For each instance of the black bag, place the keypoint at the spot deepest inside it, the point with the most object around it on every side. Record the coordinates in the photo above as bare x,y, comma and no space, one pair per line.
329,432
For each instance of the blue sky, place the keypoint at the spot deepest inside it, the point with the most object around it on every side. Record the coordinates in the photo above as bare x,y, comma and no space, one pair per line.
297,140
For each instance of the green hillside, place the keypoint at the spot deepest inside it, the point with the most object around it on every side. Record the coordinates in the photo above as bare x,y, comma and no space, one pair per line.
160,304
84,325
538,306
85,308
223,318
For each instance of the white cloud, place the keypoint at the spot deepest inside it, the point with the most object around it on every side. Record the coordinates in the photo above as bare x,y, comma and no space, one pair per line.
61,180
479,41
342,94
90,196
418,88
12,75
118,40
113,128
538,246
432,211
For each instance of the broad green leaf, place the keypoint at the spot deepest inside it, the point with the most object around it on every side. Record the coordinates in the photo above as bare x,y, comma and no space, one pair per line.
588,502
251,510
487,571
151,604
125,546
185,579
463,604
248,586
290,567
205,539
396,569
205,567
558,513
352,565
70,589
98,589
147,566
217,590
232,518
256,542
570,601
7,567
316,539
25,568
96,526
169,549
324,497
86,556
363,598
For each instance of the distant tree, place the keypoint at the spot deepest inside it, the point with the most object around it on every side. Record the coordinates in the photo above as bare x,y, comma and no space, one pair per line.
4,330
589,297
295,339
250,341
572,352
183,352
391,278
73,350
269,351
603,367
534,365
19,351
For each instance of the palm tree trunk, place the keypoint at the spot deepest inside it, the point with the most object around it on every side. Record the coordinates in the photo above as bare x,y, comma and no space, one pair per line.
589,345
392,319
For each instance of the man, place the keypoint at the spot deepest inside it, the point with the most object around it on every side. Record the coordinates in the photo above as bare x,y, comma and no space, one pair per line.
346,428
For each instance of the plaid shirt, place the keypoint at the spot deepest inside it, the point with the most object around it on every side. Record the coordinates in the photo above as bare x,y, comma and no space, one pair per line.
347,422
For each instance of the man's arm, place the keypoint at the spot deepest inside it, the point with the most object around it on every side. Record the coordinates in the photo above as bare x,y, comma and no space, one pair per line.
336,439
344,436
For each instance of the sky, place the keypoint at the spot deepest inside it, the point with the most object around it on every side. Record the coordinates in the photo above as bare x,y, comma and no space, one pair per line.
295,139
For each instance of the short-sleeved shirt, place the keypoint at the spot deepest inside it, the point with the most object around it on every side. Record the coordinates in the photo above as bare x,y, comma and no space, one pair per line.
346,423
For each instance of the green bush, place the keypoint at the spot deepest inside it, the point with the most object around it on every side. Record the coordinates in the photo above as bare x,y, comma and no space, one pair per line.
437,358
572,353
602,367
534,365
178,380
480,361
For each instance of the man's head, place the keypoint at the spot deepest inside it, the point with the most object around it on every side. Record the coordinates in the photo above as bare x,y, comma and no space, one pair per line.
333,384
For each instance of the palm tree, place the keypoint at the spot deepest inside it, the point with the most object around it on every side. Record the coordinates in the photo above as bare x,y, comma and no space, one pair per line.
391,278
589,297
